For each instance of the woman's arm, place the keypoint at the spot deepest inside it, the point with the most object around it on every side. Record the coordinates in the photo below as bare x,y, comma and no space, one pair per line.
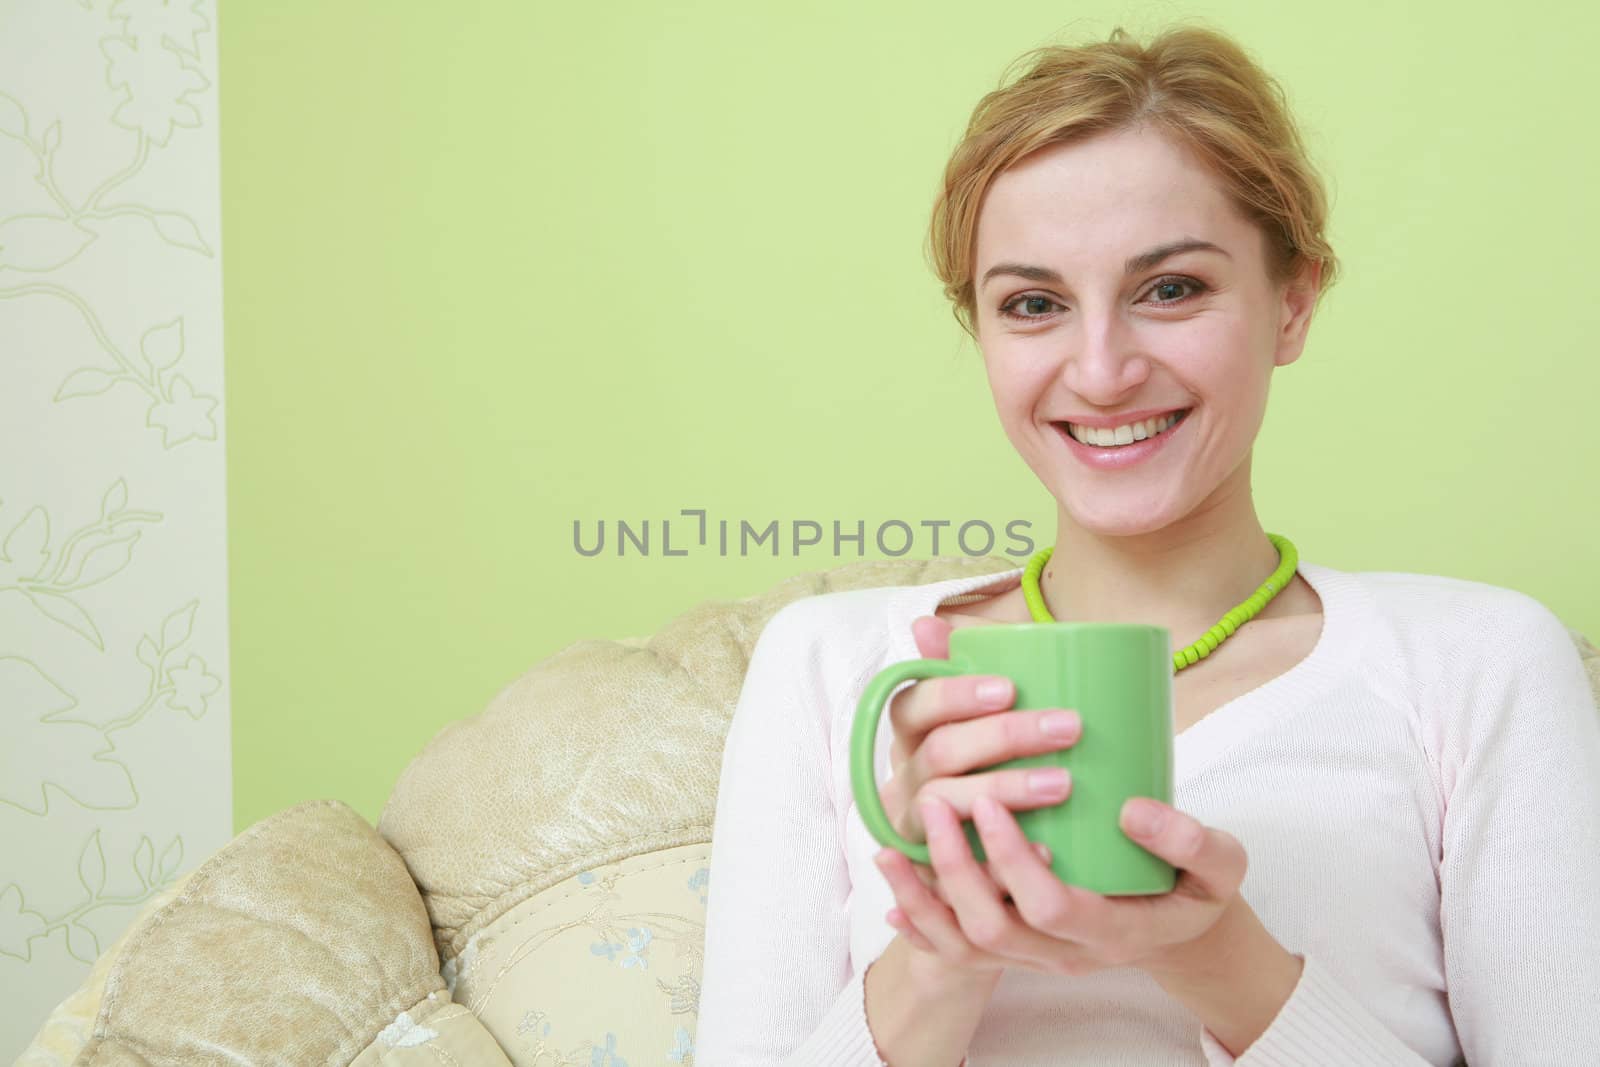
776,984
1520,872
1519,755
919,1020
1236,978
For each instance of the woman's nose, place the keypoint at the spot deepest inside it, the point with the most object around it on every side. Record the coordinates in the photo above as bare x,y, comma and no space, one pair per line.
1102,360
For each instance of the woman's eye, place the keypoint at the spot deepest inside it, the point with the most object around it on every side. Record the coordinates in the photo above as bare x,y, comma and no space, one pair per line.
1166,285
1031,307
1033,302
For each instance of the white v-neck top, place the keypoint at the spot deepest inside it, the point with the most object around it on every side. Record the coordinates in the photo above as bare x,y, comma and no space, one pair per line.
1419,799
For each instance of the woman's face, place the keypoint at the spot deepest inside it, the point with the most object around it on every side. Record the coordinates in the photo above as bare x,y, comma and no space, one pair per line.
1067,329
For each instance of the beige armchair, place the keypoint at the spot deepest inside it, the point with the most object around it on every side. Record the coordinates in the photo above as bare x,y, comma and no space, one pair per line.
533,894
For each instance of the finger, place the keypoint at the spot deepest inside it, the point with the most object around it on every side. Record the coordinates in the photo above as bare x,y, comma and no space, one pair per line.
1213,862
1041,898
920,707
960,793
958,744
908,709
983,917
1123,929
932,635
958,871
917,708
931,880
897,919
933,919
1018,788
1051,956
1085,930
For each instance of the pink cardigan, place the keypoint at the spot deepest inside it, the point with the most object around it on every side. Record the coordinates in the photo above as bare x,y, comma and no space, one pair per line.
1419,799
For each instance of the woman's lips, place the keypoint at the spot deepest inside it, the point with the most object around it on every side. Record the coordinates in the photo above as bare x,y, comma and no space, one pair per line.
1117,457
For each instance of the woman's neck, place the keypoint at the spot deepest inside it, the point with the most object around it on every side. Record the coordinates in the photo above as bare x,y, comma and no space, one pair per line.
1183,577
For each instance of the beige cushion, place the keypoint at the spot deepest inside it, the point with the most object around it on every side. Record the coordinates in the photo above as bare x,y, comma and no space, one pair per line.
303,940
434,1033
607,961
562,831
1589,655
68,1028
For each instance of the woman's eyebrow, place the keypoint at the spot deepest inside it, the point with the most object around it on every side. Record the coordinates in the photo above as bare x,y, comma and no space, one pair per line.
1142,261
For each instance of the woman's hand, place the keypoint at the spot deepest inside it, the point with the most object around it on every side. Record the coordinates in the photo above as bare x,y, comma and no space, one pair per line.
946,727
1055,928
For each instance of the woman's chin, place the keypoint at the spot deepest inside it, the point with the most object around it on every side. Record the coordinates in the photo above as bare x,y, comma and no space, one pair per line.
1139,514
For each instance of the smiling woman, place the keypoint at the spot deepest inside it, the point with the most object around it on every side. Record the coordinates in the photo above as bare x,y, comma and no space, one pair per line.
1105,339
1133,236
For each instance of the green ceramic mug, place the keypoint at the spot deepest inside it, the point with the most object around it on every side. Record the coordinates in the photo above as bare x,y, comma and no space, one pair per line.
1118,677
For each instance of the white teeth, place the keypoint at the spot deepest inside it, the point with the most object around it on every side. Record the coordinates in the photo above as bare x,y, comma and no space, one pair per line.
1122,435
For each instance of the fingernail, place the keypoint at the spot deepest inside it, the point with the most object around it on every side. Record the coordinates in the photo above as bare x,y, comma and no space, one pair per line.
994,692
1059,723
1143,818
1047,781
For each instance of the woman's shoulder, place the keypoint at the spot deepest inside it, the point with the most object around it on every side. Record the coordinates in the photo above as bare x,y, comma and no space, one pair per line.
843,618
1445,631
863,625
827,628
1450,607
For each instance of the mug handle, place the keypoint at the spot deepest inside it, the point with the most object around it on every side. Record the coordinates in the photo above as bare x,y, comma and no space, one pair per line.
864,736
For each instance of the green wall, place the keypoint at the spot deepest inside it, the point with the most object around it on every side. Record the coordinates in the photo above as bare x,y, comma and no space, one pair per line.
490,268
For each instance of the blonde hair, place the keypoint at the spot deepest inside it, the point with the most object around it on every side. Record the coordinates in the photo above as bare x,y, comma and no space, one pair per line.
1193,83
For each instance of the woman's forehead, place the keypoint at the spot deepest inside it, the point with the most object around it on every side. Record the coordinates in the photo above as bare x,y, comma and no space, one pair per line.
1102,198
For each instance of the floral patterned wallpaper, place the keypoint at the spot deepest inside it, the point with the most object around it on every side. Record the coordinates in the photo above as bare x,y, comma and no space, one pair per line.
115,769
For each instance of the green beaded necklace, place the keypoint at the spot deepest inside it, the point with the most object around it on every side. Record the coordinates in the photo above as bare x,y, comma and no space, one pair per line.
1288,560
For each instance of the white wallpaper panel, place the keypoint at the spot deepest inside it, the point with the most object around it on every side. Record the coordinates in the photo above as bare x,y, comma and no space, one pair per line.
115,770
